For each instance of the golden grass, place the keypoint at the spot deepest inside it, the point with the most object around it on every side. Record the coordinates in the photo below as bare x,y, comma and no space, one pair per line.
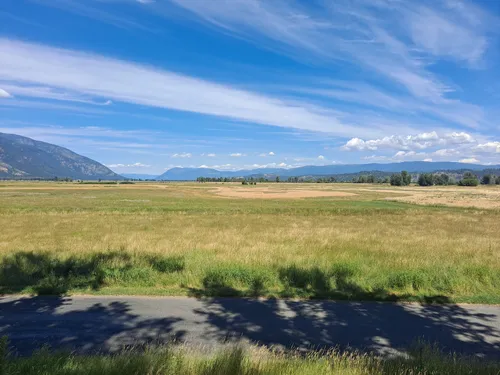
232,360
409,251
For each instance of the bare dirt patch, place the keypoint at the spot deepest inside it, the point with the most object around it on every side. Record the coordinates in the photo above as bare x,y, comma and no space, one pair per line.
268,193
477,197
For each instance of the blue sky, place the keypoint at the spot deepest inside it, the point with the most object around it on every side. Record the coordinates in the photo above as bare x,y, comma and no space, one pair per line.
146,85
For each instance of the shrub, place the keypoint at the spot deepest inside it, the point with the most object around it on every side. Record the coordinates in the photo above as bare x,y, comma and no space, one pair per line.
469,179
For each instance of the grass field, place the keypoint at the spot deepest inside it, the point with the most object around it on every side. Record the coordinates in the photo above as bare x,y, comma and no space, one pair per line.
250,361
225,239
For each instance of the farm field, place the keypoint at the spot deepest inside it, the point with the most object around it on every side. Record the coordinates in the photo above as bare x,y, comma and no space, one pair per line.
340,241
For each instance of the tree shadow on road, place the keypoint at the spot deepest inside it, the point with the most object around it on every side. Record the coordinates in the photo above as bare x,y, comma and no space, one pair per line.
56,322
383,328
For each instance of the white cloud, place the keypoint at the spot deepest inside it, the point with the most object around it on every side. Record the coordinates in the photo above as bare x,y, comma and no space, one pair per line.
263,155
419,141
459,138
4,94
134,165
227,167
100,77
211,155
237,155
469,161
446,152
182,155
412,155
488,147
410,142
321,157
441,154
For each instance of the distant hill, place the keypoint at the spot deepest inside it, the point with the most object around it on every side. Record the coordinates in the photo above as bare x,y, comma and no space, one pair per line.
188,174
22,157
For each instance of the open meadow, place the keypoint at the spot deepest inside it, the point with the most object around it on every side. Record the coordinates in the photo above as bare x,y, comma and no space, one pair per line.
341,241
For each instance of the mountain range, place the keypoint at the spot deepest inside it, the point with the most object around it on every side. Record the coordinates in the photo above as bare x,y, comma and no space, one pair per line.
188,174
25,158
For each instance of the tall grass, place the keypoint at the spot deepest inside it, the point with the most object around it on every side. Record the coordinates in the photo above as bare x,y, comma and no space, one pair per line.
250,361
180,239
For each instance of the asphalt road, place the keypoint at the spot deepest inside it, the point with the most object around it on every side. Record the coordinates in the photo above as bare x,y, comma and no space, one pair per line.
107,324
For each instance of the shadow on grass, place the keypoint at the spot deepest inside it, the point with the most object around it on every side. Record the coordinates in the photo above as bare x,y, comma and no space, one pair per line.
43,273
234,281
336,283
312,283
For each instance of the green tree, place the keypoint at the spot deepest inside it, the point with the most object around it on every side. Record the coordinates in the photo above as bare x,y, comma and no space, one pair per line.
406,178
497,180
425,179
442,179
396,180
488,179
277,178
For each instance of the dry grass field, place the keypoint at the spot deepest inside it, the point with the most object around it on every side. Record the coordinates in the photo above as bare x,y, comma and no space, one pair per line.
342,241
249,361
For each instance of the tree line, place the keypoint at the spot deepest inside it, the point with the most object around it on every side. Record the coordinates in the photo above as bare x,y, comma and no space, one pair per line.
396,179
468,179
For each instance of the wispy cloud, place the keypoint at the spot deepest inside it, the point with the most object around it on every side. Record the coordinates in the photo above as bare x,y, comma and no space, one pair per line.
109,79
231,167
363,94
50,93
183,155
441,35
355,31
93,10
134,165
397,40
4,94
